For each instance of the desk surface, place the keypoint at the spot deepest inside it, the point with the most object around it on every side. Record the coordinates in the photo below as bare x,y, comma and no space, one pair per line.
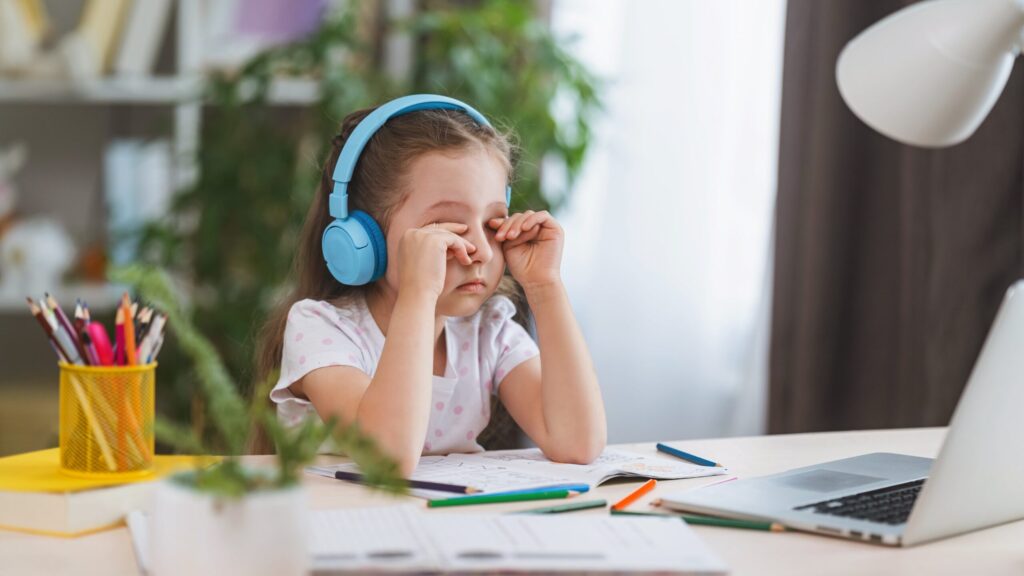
992,551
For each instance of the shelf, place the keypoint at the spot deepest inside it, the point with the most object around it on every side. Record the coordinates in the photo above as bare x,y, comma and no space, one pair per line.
169,90
101,298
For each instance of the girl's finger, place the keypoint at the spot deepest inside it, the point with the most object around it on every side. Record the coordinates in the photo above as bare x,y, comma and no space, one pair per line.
535,219
507,225
523,237
517,229
461,248
496,222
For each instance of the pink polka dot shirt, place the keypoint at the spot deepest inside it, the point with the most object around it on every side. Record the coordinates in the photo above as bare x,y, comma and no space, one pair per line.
482,349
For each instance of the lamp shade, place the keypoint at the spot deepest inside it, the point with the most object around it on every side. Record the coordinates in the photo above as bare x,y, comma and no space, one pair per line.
928,74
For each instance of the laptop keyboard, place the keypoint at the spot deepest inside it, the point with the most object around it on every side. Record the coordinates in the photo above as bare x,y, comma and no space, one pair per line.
889,505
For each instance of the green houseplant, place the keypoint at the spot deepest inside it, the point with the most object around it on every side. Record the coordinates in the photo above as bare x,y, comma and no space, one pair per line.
231,236
222,517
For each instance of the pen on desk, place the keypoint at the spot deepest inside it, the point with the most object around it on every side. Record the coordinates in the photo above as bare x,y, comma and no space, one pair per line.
635,495
685,455
497,498
570,507
709,521
419,484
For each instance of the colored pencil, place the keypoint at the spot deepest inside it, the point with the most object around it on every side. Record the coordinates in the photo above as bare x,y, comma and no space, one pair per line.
710,521
119,356
61,335
685,455
421,484
37,313
497,498
635,495
129,331
570,507
67,327
581,488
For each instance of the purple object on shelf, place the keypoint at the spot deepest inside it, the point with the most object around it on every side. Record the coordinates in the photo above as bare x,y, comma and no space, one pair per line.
279,20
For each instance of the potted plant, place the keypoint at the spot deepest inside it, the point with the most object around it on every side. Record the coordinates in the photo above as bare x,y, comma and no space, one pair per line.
223,516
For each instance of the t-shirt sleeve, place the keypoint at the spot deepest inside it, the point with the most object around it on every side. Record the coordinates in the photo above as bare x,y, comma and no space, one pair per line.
316,336
511,343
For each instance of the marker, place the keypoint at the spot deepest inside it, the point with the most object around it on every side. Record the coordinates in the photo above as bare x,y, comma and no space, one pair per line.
685,455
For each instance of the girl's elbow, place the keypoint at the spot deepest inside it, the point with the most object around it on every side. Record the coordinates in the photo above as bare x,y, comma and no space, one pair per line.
407,464
583,453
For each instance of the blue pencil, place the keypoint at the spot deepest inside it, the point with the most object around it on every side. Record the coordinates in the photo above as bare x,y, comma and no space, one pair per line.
581,488
685,455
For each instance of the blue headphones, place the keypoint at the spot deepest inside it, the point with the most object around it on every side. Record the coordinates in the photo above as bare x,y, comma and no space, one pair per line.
353,244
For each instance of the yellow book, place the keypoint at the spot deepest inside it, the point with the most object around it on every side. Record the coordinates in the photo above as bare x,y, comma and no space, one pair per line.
36,19
90,47
35,497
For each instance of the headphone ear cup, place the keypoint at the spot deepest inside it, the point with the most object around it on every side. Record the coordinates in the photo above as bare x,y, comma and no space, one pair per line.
354,249
377,242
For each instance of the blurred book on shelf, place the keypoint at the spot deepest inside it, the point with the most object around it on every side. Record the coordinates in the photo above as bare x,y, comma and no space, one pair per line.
143,35
24,26
236,30
138,188
89,49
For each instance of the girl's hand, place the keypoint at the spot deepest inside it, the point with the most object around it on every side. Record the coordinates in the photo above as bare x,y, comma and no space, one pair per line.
423,254
532,243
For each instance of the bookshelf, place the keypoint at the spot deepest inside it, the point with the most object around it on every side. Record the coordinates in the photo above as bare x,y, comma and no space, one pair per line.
94,109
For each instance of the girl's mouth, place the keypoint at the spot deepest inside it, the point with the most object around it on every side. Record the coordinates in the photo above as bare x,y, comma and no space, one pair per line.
473,287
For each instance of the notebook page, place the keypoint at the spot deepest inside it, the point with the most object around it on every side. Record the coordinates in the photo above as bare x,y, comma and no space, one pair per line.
387,538
506,470
478,543
610,463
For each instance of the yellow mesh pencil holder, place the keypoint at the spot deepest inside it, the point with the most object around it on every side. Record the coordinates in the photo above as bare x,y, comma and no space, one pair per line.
106,420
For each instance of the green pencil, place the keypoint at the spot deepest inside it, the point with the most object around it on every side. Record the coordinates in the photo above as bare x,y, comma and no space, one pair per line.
495,498
570,507
709,521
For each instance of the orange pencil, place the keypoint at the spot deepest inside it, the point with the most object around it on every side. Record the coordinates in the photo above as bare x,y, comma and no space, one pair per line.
635,495
129,331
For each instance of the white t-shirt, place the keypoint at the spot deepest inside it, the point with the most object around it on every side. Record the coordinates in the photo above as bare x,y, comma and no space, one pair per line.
482,349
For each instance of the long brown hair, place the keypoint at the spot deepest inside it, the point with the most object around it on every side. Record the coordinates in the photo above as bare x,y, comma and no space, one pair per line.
378,187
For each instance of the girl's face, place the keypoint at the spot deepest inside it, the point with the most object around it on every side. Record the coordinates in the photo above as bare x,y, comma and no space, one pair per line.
465,187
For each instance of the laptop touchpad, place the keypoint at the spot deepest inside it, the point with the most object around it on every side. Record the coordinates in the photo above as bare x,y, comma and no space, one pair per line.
826,480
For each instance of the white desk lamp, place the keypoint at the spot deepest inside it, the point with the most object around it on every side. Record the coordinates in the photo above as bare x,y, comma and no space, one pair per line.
928,74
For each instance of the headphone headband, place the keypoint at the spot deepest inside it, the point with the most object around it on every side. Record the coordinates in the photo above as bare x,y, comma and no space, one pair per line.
346,165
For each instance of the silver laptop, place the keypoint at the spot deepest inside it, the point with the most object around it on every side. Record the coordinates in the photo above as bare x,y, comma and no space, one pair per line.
902,500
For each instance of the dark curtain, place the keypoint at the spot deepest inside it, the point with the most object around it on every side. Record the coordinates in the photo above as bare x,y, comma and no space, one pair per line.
891,261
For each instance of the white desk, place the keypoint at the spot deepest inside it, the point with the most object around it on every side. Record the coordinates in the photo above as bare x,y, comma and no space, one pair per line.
998,550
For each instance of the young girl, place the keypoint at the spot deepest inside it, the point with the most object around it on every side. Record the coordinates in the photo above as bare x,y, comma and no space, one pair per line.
414,356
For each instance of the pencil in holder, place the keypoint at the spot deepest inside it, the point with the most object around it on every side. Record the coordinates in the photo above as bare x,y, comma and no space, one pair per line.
106,420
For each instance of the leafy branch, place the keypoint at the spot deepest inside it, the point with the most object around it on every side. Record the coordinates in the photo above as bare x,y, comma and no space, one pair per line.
233,418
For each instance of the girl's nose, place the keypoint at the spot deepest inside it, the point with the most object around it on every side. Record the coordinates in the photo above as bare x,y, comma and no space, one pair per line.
480,238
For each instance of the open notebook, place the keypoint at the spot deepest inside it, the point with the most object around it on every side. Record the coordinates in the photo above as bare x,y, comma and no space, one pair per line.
408,539
509,470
